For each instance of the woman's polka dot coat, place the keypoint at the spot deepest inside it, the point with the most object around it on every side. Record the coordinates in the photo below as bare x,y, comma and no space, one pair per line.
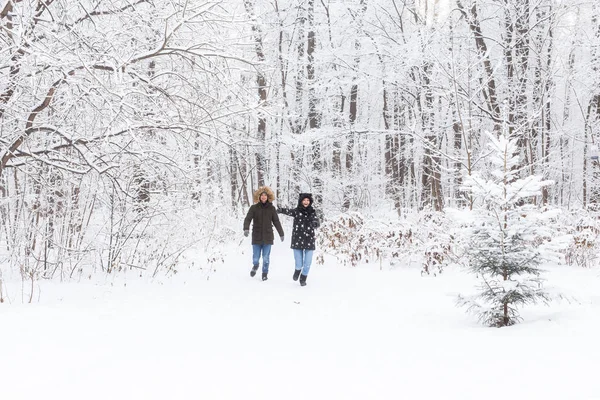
305,222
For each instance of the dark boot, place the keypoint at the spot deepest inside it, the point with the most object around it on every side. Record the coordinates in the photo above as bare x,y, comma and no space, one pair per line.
264,276
254,269
296,274
303,280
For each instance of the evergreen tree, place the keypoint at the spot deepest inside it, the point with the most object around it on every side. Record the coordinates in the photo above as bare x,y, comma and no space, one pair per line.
504,236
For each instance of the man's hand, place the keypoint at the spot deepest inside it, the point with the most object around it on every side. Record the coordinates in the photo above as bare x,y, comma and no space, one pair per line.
282,238
246,233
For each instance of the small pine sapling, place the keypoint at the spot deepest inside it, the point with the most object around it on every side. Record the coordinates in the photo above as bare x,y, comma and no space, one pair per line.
504,234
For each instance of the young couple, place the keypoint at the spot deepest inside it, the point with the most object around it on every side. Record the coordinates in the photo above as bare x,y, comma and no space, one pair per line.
263,216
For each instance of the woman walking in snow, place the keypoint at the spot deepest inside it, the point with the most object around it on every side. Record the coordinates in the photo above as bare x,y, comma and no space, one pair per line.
263,216
303,234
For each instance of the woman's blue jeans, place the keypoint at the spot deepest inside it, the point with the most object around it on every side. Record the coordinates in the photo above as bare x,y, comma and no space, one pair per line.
265,249
303,260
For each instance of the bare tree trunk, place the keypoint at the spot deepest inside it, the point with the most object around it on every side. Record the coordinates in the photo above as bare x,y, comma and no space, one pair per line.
516,52
349,188
353,115
489,85
313,117
233,173
278,163
336,156
431,185
585,167
593,114
310,66
457,128
283,73
593,117
244,174
391,153
299,123
261,82
543,87
565,143
336,160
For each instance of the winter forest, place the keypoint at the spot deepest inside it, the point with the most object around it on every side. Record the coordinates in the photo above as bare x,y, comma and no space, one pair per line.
133,132
452,148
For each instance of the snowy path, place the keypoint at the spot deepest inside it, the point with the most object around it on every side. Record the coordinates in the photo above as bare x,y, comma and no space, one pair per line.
350,334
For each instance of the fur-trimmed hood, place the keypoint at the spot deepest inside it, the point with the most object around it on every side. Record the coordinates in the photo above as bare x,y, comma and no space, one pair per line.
261,190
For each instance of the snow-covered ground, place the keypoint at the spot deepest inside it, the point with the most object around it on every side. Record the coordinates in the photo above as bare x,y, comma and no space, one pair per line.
352,333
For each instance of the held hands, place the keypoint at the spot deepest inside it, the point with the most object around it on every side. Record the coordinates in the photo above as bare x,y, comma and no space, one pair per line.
246,233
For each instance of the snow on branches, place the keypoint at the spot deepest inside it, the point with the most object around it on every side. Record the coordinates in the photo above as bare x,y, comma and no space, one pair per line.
356,239
506,236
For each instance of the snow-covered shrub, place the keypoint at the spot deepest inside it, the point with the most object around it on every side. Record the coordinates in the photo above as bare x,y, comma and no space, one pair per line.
435,241
585,244
165,243
355,238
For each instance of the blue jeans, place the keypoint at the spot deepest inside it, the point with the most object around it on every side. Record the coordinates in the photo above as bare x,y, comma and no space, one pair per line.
303,260
265,249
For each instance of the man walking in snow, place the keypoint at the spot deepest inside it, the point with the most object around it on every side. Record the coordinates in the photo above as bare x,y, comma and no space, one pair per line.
263,216
303,234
